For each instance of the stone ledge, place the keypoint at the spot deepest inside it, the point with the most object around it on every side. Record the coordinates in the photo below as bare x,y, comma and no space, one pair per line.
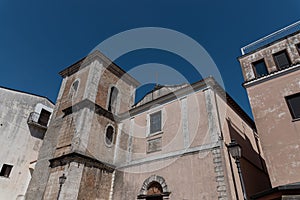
86,103
82,159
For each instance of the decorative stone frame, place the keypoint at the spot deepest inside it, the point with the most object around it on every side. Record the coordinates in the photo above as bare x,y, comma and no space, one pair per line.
154,178
148,132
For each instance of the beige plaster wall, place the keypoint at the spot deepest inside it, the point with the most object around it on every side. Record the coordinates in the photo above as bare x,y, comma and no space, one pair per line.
188,177
135,130
234,126
278,132
20,143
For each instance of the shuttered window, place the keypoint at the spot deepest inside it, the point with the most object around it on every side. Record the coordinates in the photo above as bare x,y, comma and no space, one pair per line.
281,59
293,102
155,122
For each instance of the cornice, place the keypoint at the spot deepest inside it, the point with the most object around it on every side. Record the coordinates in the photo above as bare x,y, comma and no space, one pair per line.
86,103
107,63
272,75
78,157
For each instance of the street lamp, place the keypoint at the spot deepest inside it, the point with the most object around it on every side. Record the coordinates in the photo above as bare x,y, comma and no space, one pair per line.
61,181
235,151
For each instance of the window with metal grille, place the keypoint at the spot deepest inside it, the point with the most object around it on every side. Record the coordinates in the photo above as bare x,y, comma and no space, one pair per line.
155,122
5,171
293,102
260,68
282,60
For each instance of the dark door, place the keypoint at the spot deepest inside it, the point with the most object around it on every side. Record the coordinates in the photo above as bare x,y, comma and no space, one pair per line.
44,117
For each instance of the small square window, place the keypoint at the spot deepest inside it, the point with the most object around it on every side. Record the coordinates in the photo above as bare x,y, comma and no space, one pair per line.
282,60
5,171
260,68
293,102
155,122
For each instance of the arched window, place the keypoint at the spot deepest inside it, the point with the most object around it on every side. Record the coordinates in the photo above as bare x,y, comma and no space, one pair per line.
73,89
112,103
109,135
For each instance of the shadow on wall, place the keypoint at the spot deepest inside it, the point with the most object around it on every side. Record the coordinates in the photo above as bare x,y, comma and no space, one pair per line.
37,132
20,197
253,166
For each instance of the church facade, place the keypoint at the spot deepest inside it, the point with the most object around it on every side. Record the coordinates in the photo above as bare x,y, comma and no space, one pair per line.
173,144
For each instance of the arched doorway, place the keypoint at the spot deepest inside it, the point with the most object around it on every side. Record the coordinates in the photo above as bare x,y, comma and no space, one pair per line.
154,191
154,188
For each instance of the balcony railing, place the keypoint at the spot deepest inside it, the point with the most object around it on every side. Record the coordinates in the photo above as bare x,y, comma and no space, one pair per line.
271,38
36,120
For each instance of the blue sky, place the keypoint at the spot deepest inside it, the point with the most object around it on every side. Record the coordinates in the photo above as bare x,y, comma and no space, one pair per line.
40,38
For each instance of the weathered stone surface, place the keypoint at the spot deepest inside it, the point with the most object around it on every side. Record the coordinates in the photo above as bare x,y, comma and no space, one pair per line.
20,141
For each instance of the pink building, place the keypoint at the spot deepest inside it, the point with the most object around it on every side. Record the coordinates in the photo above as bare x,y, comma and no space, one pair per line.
272,80
170,145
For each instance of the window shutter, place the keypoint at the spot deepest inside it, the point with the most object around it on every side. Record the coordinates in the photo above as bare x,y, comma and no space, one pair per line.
155,122
281,60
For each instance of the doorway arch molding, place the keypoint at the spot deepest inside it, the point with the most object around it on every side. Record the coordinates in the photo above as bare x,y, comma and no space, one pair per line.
149,181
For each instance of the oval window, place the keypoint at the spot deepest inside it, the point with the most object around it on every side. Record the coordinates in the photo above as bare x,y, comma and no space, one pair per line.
109,135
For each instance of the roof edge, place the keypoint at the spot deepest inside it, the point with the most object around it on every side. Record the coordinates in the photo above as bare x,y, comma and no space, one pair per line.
199,85
110,65
28,93
281,188
269,44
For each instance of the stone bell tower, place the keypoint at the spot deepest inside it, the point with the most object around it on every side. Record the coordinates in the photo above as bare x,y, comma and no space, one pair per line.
79,143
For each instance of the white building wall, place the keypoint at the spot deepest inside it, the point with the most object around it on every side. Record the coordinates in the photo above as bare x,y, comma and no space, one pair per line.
19,142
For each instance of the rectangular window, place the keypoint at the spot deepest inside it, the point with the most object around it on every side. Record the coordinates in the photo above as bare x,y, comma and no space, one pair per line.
5,171
293,102
282,60
260,68
155,122
298,47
